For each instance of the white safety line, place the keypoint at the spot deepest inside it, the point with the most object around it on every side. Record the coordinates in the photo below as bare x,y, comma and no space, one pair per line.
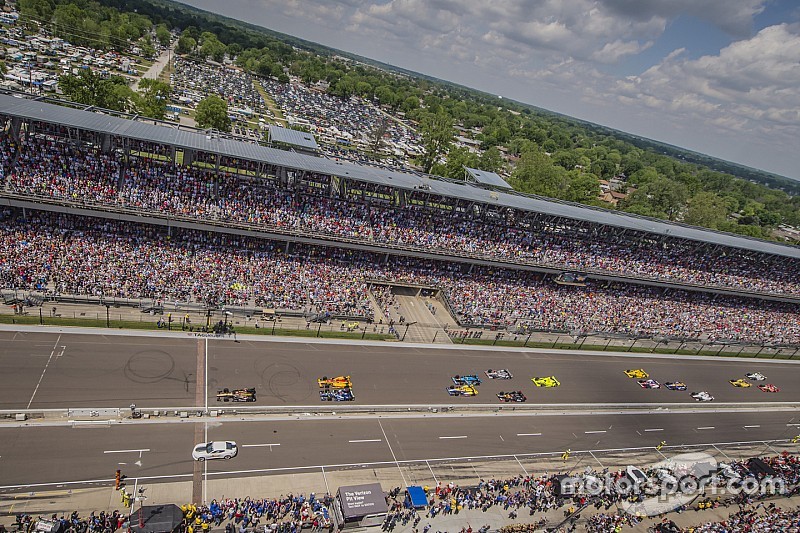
139,450
593,432
366,440
520,465
396,462
755,426
260,445
529,434
707,427
455,437
43,371
431,469
656,429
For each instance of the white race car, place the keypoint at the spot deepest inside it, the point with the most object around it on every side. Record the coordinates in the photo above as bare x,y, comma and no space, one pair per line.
503,373
220,449
649,384
702,396
756,376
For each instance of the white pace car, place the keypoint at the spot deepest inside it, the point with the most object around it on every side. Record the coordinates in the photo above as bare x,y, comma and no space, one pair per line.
221,449
702,396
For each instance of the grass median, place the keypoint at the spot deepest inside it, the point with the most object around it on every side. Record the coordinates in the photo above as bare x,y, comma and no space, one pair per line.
150,325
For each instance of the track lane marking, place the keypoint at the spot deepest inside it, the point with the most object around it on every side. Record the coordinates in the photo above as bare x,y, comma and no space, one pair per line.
365,440
655,429
139,450
260,445
43,371
593,432
529,434
755,426
707,427
454,437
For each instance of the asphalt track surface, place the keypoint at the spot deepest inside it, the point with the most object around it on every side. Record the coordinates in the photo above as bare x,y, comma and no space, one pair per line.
162,452
58,370
52,371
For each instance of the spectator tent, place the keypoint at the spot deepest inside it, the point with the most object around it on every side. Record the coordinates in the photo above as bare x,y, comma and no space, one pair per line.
417,496
157,519
362,505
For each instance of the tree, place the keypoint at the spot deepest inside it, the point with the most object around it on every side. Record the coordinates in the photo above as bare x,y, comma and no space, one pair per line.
583,187
163,35
212,112
152,98
536,174
706,209
437,137
90,89
186,45
491,160
376,137
660,198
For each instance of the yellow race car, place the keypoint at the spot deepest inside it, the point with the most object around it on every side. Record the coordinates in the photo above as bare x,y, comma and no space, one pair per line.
339,382
637,373
740,383
546,381
462,390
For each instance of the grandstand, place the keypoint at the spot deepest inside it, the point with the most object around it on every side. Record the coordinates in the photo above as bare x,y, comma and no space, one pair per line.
467,239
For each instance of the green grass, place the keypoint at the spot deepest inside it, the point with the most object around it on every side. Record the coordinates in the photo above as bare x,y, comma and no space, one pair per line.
150,324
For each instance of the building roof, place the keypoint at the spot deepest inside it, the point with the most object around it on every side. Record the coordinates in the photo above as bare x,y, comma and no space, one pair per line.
487,178
292,137
106,123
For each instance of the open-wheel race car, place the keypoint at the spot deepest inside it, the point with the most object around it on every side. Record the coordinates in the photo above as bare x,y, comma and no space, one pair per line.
511,396
337,395
545,381
702,396
675,385
636,373
470,379
756,376
649,384
462,390
503,373
236,395
769,387
743,383
339,382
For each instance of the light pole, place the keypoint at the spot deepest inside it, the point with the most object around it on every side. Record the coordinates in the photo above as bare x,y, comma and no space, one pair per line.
408,325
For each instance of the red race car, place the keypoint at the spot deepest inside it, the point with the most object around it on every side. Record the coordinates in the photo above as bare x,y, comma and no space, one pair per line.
769,387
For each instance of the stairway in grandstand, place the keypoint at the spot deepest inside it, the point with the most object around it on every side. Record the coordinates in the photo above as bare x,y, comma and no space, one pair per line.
427,315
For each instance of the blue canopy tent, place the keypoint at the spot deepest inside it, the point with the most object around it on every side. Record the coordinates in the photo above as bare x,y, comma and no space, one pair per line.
418,497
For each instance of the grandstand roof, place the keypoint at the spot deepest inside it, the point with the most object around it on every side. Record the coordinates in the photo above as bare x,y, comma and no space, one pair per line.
487,178
106,123
293,137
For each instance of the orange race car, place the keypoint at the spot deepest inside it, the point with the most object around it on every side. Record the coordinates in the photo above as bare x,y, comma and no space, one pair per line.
339,382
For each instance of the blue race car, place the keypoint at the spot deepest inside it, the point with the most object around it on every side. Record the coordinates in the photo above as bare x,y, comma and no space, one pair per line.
471,379
337,395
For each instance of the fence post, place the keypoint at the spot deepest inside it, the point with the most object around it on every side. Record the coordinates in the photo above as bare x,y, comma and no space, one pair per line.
556,341
526,340
318,328
41,319
632,345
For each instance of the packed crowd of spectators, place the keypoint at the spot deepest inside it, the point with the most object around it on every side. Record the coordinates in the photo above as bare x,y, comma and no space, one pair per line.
53,169
772,519
349,120
67,254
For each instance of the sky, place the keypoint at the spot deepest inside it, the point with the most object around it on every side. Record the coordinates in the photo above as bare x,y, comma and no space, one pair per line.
720,77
